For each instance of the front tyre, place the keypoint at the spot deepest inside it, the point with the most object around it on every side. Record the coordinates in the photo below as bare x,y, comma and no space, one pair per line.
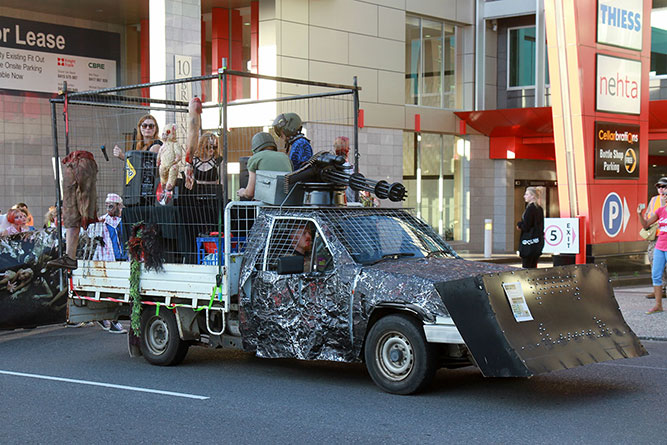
160,343
398,358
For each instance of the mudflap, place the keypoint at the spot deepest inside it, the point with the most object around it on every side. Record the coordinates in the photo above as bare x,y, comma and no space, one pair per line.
530,321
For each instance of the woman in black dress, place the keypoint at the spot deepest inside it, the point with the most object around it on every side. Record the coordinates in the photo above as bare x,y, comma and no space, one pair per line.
199,211
206,171
532,229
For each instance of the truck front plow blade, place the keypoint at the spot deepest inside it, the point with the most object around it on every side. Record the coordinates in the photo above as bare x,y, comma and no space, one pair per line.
532,321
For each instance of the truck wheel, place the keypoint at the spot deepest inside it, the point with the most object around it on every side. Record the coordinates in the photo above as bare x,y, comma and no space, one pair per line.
398,358
160,343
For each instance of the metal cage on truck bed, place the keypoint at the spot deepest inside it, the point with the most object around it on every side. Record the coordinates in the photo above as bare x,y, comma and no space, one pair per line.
104,121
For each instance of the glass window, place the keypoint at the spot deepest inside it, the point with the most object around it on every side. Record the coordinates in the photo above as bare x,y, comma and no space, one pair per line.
412,60
372,237
659,42
430,63
433,172
521,57
290,237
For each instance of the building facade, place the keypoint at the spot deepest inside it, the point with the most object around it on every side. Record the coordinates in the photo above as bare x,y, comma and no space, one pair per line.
424,66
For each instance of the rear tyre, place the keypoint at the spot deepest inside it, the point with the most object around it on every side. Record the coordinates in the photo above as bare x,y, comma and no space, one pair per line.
398,358
160,343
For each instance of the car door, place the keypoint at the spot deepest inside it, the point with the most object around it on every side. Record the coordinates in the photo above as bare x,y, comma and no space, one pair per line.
301,310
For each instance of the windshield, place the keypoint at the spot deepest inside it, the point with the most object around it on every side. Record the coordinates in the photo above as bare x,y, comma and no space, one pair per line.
373,237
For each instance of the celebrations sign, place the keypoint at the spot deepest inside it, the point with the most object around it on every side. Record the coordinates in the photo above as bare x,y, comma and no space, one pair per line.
39,57
616,151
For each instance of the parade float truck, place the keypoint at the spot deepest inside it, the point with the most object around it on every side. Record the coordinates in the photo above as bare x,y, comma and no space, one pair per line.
376,285
299,272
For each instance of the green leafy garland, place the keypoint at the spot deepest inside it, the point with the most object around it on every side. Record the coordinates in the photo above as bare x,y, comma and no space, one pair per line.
144,246
135,278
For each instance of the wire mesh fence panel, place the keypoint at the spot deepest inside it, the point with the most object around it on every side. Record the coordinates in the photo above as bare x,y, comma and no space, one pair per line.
140,145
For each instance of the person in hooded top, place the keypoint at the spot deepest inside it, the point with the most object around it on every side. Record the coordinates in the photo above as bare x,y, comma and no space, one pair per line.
265,157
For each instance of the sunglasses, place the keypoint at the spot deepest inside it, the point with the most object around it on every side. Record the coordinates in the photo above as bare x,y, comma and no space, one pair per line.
661,186
147,125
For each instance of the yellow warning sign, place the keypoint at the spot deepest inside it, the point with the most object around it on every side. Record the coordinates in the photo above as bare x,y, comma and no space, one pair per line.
130,172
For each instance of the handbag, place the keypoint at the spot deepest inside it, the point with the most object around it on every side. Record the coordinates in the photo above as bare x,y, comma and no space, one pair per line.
531,243
650,233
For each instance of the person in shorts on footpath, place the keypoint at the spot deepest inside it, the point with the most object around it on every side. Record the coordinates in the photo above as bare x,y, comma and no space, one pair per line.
660,250
653,205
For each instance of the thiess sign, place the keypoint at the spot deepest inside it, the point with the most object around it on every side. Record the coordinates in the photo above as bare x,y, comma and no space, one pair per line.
620,23
39,57
618,85
616,151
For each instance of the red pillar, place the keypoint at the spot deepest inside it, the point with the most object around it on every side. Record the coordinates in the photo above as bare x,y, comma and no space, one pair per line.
219,39
254,41
145,61
237,54
203,58
590,42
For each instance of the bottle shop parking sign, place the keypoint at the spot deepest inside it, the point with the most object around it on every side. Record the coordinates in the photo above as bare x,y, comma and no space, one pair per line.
616,151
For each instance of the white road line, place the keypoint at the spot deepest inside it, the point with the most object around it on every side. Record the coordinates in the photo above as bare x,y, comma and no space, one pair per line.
106,385
634,366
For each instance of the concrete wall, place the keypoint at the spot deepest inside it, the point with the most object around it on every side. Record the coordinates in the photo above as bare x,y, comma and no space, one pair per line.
332,41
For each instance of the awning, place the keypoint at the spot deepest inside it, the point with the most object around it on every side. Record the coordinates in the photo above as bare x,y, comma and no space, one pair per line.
521,122
537,122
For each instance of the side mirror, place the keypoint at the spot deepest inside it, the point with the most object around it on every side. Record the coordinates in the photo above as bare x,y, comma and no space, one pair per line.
290,265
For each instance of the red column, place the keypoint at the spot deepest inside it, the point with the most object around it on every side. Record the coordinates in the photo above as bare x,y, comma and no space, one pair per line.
145,61
203,58
219,39
254,41
607,202
237,54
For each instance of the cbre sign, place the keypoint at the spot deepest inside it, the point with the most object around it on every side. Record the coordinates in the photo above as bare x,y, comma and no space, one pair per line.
620,23
618,84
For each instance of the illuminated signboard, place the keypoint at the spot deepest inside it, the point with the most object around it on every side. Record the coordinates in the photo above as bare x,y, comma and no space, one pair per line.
620,23
39,57
616,151
618,85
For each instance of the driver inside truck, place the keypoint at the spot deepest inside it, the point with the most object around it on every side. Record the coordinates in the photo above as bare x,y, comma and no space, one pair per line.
302,240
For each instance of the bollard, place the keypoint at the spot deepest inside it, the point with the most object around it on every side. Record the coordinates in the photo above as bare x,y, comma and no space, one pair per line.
488,237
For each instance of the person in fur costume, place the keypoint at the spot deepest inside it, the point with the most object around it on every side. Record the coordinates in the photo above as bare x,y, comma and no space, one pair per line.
169,161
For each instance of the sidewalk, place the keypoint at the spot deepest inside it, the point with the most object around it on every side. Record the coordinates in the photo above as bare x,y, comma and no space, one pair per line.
634,304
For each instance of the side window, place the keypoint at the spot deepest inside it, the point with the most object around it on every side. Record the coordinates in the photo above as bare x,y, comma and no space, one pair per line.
290,237
322,258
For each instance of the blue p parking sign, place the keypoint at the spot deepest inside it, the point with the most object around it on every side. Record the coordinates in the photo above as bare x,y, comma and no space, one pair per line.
612,214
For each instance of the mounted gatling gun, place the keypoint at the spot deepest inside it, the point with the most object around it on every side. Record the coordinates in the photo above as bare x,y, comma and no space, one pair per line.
327,170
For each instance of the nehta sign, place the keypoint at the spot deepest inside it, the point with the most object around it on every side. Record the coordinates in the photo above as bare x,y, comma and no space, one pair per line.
620,23
618,85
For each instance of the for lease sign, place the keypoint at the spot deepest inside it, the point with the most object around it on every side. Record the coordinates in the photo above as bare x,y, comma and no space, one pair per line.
618,85
36,56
